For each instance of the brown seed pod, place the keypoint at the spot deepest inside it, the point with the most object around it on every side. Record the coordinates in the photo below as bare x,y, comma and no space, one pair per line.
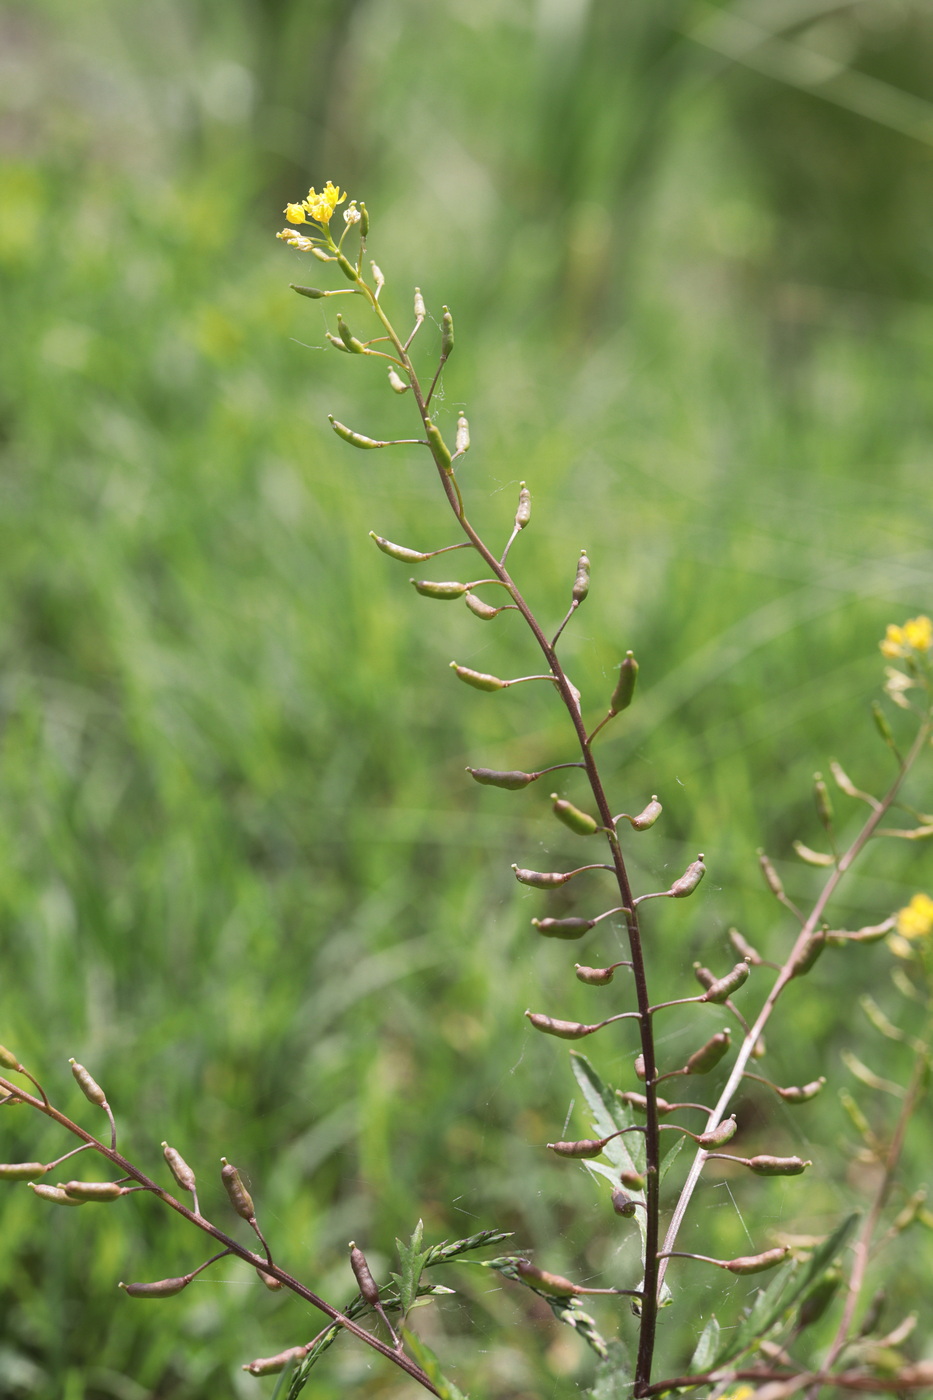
367,1284
625,689
724,1133
596,976
56,1194
163,1288
709,1055
566,1030
512,780
179,1168
586,1147
802,1093
757,1263
722,988
88,1086
523,514
689,880
763,1165
744,948
240,1198
271,1365
563,928
94,1190
581,584
541,879
268,1281
554,1284
623,1204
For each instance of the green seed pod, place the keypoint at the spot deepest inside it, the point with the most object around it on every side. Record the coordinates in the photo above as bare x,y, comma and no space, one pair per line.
271,1365
397,383
595,976
268,1281
420,308
722,989
709,1055
763,1165
21,1171
580,822
398,551
563,928
718,1137
523,514
347,268
364,1278
581,584
689,879
802,1094
478,679
164,1288
633,1180
512,780
429,589
364,222
648,816
744,948
240,1198
462,440
586,1147
349,339
447,333
8,1060
308,291
88,1086
94,1190
438,446
480,609
354,439
757,1263
625,685
813,949
565,1030
772,879
819,1298
555,1284
179,1168
542,879
56,1194
337,343
623,1204
811,857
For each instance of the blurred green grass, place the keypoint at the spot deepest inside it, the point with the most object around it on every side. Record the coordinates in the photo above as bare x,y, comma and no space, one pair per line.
244,879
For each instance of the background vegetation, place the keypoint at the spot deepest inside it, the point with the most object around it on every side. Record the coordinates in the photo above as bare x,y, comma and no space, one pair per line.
243,877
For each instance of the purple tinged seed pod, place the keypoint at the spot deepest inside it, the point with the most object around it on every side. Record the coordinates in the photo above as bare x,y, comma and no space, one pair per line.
757,1263
179,1168
596,976
271,1365
269,1281
744,948
763,1165
541,879
513,781
398,551
563,928
479,680
164,1288
586,1147
648,816
368,1286
640,1103
94,1190
718,1136
429,589
581,584
722,989
772,878
566,1030
397,383
554,1284
523,514
802,1094
484,611
240,1198
689,879
580,822
21,1171
625,685
462,440
56,1194
704,976
88,1086
709,1055
623,1204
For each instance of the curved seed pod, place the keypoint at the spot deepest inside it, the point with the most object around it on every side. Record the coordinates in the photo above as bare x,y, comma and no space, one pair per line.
823,801
88,1086
8,1060
871,933
308,291
709,1055
349,339
689,879
722,989
348,435
813,949
554,1284
541,879
757,1263
482,610
581,584
596,976
811,857
819,1298
563,928
240,1198
164,1288
580,822
772,878
447,333
566,1030
586,1147
438,446
56,1194
625,685
367,1284
763,1165
397,383
703,975
523,514
513,781
802,1094
479,680
623,1204
179,1168
271,1365
21,1171
462,440
647,817
744,948
94,1190
718,1136
398,551
429,589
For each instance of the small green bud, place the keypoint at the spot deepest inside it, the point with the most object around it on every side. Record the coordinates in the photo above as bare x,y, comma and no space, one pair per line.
563,928
763,1165
94,1190
581,584
772,879
364,1278
555,1284
720,990
397,383
272,1365
757,1263
625,685
438,446
633,1180
479,680
480,609
179,1168
164,1288
398,551
513,780
580,822
447,333
586,1147
709,1055
542,879
308,291
689,879
240,1198
802,1093
21,1171
623,1204
565,1030
429,589
354,439
56,1194
88,1086
462,440
523,514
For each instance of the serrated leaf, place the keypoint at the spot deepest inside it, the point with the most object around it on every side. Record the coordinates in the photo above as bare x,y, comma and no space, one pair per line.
614,1374
430,1365
706,1347
412,1261
609,1115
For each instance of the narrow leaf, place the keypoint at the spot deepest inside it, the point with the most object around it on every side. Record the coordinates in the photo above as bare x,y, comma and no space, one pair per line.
429,1363
706,1347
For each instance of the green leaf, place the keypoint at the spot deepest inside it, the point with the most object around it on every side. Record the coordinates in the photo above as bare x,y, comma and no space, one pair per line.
671,1155
412,1260
430,1365
614,1374
706,1347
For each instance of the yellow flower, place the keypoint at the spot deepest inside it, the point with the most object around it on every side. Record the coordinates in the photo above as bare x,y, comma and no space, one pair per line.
739,1392
915,920
320,207
916,635
294,214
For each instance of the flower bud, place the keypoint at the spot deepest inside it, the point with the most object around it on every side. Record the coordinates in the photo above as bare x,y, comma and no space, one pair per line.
757,1263
586,1147
647,817
56,1194
397,383
563,928
438,446
480,609
565,1030
763,1165
88,1086
744,948
240,1198
580,822
581,584
398,551
94,1190
623,1204
554,1284
364,1278
308,291
802,1094
428,588
479,680
541,879
689,879
271,1365
709,1055
8,1060
625,685
772,879
717,1137
512,780
523,514
21,1171
179,1168
462,440
447,333
720,990
354,439
164,1288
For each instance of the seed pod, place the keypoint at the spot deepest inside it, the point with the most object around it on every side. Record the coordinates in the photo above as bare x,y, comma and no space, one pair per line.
772,879
8,1060
843,781
482,610
523,514
56,1194
722,989
580,822
718,1137
447,333
337,343
596,976
479,680
689,879
757,1263
709,1055
429,589
346,267
308,291
823,801
164,1288
632,1179
88,1086
320,255
512,781
813,949
439,448
349,339
268,1281
398,551
94,1190
648,816
240,1198
420,309
554,1284
764,1165
397,383
625,685
581,584
744,948
640,1103
271,1365
703,975
348,435
364,1278
21,1171
179,1168
566,1030
364,230
819,1298
811,857
798,1094
623,1204
640,1068
563,928
542,879
462,440
586,1147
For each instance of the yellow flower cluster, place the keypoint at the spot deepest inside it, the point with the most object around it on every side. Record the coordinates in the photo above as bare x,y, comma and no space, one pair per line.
915,920
915,636
319,208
